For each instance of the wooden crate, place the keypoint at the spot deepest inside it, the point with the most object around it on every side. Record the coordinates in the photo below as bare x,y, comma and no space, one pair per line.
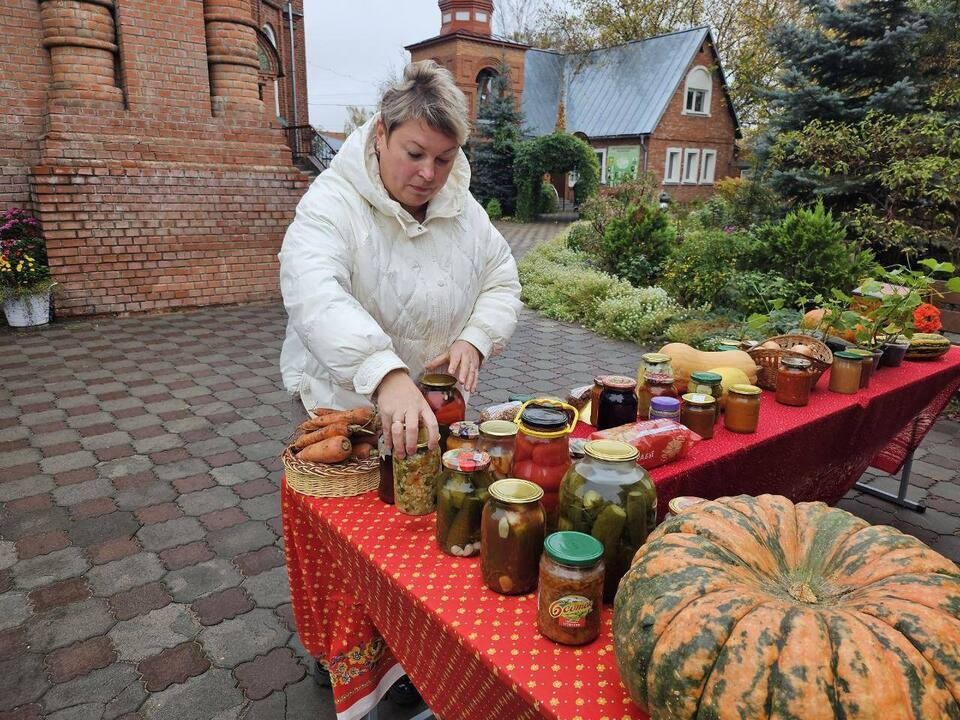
949,306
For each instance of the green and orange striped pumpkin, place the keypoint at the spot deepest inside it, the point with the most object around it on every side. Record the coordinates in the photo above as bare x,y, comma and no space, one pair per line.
753,607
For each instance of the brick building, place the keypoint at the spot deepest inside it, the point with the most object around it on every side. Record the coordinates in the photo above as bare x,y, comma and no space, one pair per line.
144,134
658,105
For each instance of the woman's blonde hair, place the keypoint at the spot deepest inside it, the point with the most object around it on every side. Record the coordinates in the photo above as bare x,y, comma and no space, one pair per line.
426,92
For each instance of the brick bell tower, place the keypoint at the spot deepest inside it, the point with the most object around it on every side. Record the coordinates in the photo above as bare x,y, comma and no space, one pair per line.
472,16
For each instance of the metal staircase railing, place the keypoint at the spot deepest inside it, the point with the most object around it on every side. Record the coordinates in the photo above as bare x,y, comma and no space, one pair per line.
309,147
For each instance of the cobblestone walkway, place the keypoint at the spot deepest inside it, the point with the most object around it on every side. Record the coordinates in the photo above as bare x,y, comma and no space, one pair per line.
141,565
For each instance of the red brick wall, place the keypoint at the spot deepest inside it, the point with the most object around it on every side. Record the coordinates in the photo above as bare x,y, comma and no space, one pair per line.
168,202
716,132
272,12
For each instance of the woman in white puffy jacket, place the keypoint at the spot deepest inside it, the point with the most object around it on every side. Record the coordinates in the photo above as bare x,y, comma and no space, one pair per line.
391,267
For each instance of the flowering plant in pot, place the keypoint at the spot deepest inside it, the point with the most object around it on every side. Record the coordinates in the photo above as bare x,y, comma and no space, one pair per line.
25,282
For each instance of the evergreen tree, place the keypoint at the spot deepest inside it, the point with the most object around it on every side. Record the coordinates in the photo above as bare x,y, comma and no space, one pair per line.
493,146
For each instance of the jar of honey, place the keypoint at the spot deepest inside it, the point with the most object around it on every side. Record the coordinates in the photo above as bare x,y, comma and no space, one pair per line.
845,372
743,409
794,381
698,413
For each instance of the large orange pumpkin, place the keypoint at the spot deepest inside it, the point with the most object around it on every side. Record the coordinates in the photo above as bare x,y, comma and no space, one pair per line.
750,607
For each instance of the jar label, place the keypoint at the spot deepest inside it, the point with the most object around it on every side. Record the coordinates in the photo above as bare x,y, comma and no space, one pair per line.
571,611
702,389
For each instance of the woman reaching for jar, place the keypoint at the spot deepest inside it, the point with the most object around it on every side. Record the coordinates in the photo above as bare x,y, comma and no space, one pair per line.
391,267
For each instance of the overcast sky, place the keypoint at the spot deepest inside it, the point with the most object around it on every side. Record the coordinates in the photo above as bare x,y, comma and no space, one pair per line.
353,46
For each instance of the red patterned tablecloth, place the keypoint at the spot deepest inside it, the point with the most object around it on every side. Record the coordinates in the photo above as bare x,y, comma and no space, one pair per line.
371,590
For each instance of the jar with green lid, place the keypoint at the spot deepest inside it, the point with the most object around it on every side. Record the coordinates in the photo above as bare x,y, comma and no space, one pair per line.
607,495
698,413
512,530
498,438
707,383
845,372
570,595
866,365
415,479
461,494
654,364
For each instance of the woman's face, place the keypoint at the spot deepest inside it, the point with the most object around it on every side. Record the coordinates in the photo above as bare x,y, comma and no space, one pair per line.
415,162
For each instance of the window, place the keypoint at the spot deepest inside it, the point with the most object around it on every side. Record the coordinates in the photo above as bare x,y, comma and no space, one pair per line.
272,37
691,165
487,88
447,17
671,171
480,16
462,15
697,92
708,167
602,162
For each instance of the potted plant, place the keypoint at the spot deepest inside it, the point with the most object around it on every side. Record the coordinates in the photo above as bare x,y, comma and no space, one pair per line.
25,282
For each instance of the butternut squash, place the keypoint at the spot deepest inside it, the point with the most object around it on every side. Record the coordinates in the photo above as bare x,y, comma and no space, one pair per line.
686,359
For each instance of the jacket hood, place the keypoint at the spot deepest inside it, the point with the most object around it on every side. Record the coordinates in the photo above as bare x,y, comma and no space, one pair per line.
357,163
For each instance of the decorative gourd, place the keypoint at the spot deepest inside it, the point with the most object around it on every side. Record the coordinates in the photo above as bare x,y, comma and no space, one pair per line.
686,360
753,607
926,346
812,319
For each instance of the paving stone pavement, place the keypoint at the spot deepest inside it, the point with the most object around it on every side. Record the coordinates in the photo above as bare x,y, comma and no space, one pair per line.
141,567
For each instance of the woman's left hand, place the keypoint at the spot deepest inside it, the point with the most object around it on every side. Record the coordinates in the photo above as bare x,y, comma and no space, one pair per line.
463,362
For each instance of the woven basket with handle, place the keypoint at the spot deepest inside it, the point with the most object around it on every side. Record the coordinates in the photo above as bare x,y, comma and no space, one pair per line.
768,359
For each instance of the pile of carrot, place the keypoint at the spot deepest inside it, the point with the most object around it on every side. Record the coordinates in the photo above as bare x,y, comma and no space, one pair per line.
332,436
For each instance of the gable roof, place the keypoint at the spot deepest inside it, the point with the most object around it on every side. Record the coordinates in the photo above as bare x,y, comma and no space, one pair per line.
617,91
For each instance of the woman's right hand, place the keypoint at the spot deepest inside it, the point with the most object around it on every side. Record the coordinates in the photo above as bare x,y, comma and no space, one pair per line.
402,407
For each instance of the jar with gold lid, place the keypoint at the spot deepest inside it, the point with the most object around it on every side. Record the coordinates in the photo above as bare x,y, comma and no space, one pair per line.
698,412
498,438
743,409
794,381
618,402
446,401
511,536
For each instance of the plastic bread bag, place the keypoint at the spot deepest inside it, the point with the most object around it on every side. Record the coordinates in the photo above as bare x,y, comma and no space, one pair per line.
659,441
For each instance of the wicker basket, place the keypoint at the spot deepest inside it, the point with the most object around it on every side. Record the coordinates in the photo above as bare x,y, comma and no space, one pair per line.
768,359
345,479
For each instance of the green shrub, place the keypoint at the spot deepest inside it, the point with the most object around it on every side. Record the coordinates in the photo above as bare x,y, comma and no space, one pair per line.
548,199
639,316
699,269
583,237
753,291
494,211
636,245
751,202
715,214
702,333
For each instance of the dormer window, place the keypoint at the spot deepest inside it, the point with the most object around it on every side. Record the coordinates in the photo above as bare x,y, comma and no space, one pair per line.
462,15
697,91
480,16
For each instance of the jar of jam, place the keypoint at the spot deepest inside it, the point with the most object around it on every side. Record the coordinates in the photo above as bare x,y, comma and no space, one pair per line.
654,364
595,399
618,402
866,369
653,386
845,372
445,400
385,488
461,493
571,588
699,414
607,495
707,383
498,438
415,480
743,409
666,408
464,435
794,381
512,530
543,450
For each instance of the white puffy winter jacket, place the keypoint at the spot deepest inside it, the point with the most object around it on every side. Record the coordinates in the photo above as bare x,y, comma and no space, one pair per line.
368,289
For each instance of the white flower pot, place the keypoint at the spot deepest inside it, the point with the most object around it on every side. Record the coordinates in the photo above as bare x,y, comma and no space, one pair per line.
28,311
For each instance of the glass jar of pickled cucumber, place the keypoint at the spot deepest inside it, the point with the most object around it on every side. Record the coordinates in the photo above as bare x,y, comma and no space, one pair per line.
461,493
607,495
511,536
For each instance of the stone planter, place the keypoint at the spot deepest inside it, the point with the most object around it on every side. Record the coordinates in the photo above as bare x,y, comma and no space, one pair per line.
28,311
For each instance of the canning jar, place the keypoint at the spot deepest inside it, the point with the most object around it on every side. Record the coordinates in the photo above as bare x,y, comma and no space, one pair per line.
595,398
385,488
743,409
498,438
543,452
681,503
707,383
607,495
665,408
845,372
697,413
618,402
463,435
443,397
866,365
654,364
794,381
415,480
653,386
461,493
512,530
571,588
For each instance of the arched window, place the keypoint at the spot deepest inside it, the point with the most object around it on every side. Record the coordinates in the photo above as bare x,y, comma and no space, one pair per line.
272,37
486,86
697,92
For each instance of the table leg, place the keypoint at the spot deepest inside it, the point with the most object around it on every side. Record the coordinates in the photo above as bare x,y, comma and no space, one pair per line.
901,497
